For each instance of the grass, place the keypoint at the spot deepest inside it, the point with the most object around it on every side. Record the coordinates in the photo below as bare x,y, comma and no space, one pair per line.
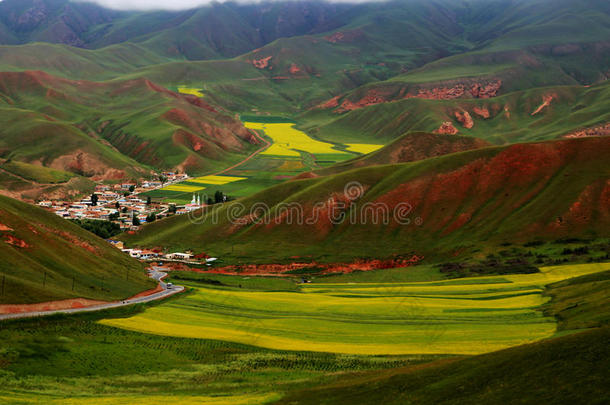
15,398
38,174
565,369
52,259
74,358
446,222
469,316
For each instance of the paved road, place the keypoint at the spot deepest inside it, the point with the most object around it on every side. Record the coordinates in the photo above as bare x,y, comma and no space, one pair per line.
156,274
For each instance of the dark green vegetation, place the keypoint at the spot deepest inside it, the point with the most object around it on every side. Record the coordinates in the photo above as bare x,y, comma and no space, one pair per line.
364,73
99,101
569,368
47,258
408,148
75,350
247,283
103,229
111,130
61,356
581,303
507,118
465,204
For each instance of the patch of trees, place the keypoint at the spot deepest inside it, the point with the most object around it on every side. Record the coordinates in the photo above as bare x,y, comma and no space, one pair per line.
579,251
488,267
219,197
103,229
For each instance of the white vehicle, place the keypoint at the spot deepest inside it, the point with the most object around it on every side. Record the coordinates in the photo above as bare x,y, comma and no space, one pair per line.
169,285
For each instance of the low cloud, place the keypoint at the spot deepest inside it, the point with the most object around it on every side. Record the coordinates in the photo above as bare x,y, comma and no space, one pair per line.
172,5
149,4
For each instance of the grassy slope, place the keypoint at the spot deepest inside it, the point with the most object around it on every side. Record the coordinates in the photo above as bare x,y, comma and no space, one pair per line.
67,358
408,148
359,45
77,63
466,316
63,251
564,369
144,125
573,107
568,369
465,201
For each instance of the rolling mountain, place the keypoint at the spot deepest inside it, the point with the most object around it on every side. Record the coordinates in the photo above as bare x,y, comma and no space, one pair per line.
113,130
529,115
46,258
455,204
218,30
562,364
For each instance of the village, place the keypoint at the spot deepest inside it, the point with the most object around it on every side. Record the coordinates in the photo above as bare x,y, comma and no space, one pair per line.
123,204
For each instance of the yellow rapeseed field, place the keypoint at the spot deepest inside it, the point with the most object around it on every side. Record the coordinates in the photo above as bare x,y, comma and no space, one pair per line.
466,316
183,188
363,147
253,399
287,140
216,180
191,91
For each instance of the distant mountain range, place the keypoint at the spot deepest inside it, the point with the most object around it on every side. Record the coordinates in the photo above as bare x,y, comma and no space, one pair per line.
503,70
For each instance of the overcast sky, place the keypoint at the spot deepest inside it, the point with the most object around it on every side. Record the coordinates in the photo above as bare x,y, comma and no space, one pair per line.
169,4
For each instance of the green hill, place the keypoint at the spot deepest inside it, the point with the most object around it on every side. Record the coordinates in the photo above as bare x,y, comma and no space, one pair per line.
567,369
563,369
116,129
529,115
47,258
457,204
409,148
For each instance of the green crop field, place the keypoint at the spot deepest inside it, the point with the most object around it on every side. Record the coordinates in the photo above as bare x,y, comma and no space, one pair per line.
291,152
468,316
66,359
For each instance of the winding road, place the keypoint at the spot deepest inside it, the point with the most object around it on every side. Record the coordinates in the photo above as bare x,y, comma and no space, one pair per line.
155,273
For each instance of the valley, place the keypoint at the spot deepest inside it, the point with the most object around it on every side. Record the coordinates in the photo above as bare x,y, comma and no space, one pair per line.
304,202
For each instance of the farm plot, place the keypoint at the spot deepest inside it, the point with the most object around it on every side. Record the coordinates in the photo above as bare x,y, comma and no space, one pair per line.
288,141
138,399
216,180
190,91
363,148
465,316
184,188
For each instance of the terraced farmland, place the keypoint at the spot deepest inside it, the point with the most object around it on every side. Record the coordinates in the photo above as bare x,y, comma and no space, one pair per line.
190,91
140,399
291,152
288,141
363,148
464,316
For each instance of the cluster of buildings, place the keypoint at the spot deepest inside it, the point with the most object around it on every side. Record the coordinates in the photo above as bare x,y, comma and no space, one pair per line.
147,254
122,203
